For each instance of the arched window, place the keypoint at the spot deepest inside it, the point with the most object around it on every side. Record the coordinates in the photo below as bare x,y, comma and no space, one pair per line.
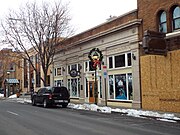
162,22
176,18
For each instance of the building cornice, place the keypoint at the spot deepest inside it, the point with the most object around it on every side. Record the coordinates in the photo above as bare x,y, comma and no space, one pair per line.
135,22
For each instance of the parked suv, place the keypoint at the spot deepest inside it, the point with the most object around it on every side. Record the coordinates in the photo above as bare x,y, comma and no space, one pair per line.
50,96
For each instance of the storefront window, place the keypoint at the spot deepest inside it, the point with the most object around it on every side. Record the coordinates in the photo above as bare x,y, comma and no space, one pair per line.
111,87
130,88
74,87
79,87
120,87
69,85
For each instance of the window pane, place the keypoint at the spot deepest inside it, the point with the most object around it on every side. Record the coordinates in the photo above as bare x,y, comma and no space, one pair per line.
162,22
74,87
86,87
177,23
111,87
55,72
79,87
120,86
120,61
74,66
100,86
163,27
68,70
69,85
176,13
163,17
59,83
58,71
110,62
130,88
129,59
91,68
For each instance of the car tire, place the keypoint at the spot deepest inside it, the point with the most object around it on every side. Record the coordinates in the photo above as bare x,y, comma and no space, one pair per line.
33,102
45,105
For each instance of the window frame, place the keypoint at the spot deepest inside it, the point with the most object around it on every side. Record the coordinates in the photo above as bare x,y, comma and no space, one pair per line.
113,90
175,18
113,61
160,22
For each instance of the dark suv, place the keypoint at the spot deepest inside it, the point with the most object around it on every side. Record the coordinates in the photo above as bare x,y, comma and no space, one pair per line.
50,96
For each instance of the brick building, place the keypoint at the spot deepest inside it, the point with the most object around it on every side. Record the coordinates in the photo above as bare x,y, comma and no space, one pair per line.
160,54
10,71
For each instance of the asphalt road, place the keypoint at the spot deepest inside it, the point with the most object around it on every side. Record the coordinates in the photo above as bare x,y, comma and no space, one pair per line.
24,119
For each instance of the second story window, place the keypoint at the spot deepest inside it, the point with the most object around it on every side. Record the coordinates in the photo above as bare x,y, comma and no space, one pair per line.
162,22
176,18
119,61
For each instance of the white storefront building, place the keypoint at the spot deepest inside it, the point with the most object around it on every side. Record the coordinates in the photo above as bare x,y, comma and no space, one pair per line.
120,48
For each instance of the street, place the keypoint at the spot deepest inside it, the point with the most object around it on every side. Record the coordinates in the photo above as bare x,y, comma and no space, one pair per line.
24,119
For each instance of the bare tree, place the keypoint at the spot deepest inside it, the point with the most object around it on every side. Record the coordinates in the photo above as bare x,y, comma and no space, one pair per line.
39,28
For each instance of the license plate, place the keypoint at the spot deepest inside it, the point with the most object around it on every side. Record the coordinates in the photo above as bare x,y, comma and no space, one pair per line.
58,101
61,101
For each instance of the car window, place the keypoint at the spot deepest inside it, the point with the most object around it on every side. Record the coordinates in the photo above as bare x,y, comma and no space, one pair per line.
41,91
60,90
47,90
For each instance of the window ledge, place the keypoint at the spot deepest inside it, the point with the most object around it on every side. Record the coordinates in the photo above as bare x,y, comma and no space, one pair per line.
173,34
122,101
75,98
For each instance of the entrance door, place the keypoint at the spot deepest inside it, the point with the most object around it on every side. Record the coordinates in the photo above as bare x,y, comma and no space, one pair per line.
91,92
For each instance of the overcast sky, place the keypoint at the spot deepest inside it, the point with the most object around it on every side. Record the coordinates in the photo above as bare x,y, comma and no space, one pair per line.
85,13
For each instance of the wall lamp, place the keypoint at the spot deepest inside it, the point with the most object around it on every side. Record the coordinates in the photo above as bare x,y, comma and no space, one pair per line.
133,56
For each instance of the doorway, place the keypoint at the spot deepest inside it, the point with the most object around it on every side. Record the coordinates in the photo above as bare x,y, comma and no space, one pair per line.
91,92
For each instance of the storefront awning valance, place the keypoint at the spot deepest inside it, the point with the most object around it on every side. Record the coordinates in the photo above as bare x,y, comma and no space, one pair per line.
12,81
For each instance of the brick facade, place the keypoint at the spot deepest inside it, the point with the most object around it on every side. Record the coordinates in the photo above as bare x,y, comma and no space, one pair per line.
159,74
148,10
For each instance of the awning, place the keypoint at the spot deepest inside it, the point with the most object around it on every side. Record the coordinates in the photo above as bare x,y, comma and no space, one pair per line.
12,81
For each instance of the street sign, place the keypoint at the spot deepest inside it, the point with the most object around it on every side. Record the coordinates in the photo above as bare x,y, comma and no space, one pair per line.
105,71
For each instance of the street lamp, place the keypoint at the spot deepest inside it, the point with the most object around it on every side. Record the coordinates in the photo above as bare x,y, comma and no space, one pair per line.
7,91
95,55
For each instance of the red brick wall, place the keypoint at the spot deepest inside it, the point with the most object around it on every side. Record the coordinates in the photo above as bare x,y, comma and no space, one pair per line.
148,9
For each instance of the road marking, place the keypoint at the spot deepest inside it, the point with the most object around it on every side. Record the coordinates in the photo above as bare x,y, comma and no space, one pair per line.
13,113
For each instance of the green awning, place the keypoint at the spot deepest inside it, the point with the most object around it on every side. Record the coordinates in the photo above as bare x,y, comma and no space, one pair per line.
12,81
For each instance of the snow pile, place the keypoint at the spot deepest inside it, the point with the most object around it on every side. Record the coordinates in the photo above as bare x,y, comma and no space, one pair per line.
129,112
141,113
1,95
13,96
24,100
90,107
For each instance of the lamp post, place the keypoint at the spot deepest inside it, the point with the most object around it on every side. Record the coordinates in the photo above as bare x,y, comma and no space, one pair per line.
7,91
95,55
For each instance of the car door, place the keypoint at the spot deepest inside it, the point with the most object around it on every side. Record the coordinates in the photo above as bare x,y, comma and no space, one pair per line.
38,96
41,95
